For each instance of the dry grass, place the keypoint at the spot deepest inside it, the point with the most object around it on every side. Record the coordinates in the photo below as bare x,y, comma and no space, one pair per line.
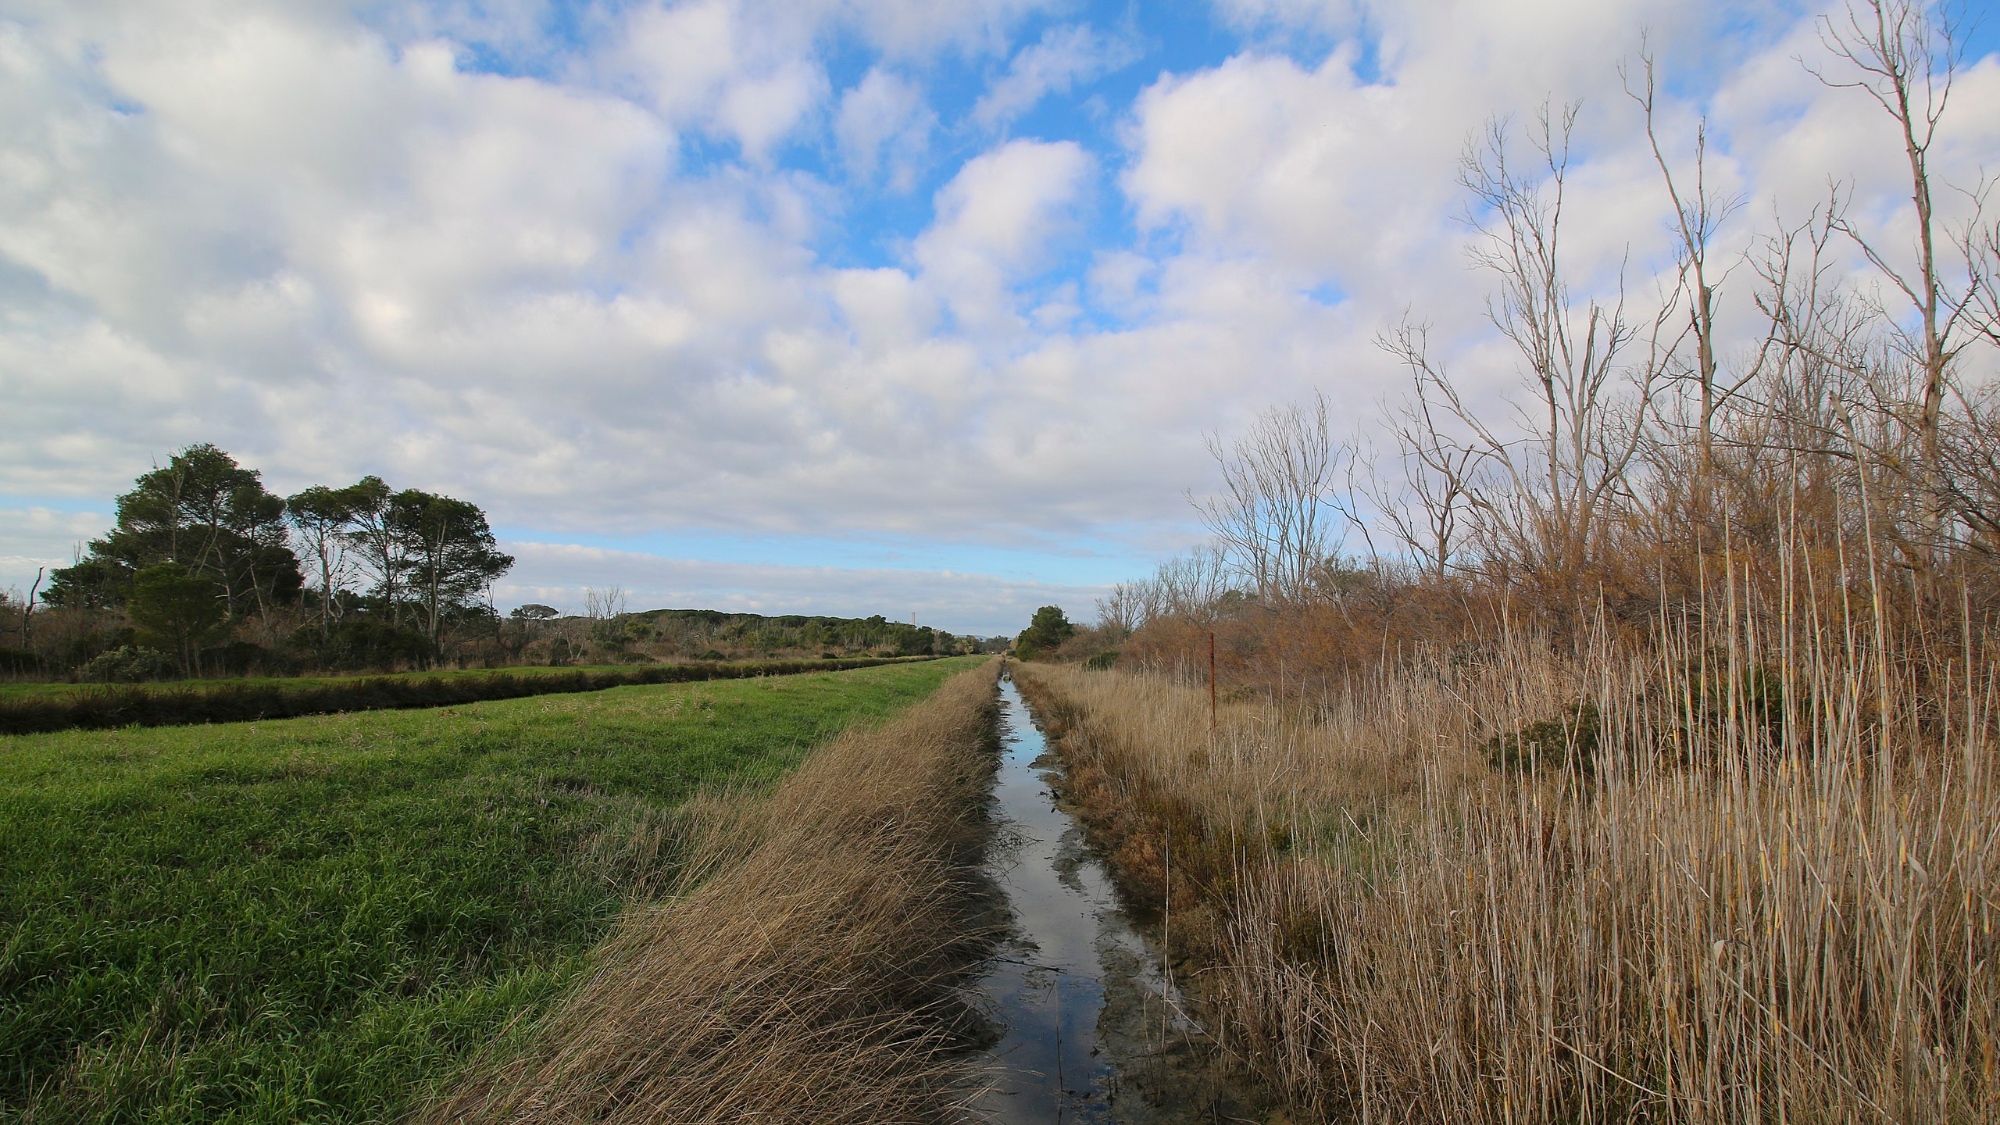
806,976
1773,896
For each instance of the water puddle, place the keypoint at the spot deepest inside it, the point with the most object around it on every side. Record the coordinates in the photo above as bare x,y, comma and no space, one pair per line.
1092,1029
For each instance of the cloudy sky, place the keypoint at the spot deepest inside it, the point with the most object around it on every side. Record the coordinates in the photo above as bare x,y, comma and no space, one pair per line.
849,306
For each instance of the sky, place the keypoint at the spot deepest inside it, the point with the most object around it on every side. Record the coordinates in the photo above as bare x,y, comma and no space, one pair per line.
824,306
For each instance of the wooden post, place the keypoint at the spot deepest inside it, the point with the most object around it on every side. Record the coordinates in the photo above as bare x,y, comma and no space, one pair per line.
1211,683
28,610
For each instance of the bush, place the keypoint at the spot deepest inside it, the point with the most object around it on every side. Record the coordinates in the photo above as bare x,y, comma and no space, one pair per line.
1550,744
130,665
19,662
242,658
370,642
1103,661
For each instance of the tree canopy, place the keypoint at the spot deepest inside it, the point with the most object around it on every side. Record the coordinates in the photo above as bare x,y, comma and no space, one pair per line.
200,544
1048,630
203,512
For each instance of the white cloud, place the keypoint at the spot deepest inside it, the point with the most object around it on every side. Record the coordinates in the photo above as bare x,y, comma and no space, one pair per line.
713,66
38,537
616,295
1064,57
884,119
994,222
958,602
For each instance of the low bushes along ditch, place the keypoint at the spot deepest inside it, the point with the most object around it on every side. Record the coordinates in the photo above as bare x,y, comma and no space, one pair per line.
119,706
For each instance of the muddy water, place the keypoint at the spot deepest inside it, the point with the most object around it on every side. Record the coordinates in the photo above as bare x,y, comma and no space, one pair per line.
1091,1029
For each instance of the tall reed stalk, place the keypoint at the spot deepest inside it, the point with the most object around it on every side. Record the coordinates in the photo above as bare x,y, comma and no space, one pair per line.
1760,881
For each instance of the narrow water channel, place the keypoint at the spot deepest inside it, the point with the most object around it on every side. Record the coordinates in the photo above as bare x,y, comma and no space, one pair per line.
1092,1027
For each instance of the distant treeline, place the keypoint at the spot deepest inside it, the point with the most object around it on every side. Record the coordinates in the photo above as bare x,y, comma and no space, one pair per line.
206,572
120,706
713,634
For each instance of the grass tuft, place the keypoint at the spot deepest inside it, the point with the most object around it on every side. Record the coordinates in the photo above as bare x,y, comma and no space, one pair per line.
808,977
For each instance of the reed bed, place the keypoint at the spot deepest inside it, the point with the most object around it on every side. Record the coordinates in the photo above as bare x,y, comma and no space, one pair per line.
807,975
1748,869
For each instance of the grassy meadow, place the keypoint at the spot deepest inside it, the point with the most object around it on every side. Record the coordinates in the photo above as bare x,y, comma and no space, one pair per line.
43,689
322,918
111,706
812,976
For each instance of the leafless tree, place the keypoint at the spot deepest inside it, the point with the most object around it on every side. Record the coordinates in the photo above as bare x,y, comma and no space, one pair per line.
1122,610
1429,514
1561,478
1278,516
604,604
1698,213
1191,585
1904,54
28,606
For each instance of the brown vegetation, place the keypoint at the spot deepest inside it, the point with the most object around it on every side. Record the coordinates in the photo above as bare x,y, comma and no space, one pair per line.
806,975
1651,770
1761,887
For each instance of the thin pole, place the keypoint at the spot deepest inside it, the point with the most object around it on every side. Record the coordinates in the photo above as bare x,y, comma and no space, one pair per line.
28,610
1211,683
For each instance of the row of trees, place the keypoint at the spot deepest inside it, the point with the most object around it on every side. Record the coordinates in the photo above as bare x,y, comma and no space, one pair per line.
201,549
1840,422
608,631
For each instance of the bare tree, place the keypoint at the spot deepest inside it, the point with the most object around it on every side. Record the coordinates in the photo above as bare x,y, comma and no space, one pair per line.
1190,586
1429,515
1122,610
604,604
1904,54
1562,477
1278,516
1698,213
322,519
28,607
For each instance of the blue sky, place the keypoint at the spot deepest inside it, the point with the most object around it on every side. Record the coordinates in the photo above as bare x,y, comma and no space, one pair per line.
845,306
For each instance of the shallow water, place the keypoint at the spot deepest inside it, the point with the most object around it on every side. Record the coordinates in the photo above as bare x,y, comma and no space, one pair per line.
1091,1025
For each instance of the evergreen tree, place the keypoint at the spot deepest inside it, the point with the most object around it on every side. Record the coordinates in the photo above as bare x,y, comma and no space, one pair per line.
1048,630
203,512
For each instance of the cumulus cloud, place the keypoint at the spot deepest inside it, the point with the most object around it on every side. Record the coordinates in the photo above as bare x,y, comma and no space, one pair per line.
656,273
1064,57
994,222
883,119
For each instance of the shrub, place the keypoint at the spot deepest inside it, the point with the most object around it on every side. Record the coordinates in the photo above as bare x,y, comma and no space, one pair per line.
1555,743
130,665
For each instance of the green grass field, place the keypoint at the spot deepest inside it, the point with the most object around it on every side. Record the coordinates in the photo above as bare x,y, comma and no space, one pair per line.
317,919
44,689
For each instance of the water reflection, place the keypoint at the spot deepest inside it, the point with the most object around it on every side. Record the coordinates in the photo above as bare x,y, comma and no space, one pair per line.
1090,1030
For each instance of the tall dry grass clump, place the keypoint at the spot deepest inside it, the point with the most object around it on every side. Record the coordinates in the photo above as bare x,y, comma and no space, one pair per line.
1746,870
806,978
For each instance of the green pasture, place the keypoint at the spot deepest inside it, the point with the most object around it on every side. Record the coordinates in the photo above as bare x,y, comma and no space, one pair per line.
43,689
318,919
